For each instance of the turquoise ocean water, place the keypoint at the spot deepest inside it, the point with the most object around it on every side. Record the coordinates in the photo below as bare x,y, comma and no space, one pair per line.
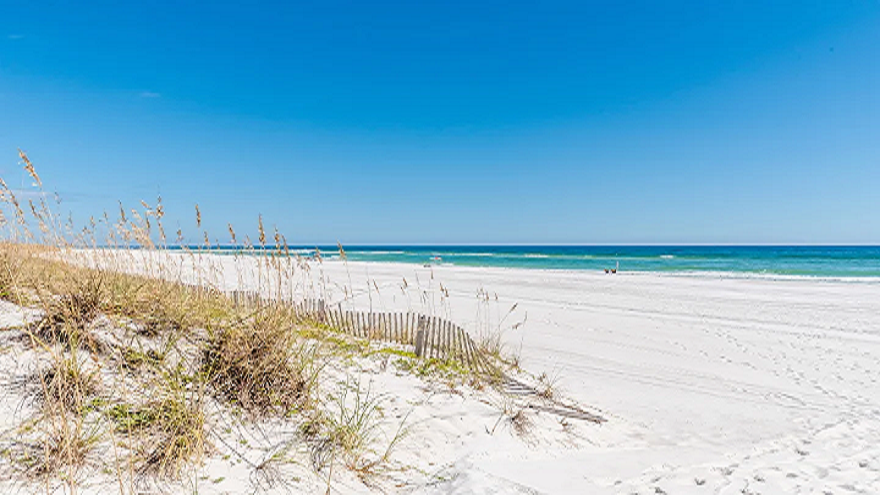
794,261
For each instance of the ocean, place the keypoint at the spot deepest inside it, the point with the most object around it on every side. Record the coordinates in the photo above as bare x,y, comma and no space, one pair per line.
779,261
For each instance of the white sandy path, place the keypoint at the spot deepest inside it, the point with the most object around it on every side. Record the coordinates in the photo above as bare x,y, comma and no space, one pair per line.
712,384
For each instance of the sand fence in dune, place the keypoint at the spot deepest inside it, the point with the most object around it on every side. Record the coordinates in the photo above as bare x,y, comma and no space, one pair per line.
431,337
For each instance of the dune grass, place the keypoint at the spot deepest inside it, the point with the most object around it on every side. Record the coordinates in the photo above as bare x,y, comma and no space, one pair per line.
175,344
261,364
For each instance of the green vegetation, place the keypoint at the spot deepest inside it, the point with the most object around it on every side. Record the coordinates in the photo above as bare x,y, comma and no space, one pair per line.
167,344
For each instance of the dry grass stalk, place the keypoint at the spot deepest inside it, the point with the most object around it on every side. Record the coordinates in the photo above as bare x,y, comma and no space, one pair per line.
169,430
62,443
67,385
352,432
262,231
260,364
66,316
62,450
30,167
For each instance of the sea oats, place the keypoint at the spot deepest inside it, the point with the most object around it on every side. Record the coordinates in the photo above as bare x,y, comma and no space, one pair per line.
33,209
30,167
341,251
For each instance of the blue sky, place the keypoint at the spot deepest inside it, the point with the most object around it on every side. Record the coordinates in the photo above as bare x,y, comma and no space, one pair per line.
456,122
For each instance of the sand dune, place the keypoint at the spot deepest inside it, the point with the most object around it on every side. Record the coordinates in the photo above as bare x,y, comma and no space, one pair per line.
711,384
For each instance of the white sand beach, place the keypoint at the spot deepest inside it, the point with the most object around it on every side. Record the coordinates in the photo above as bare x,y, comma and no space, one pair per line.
432,248
716,385
710,384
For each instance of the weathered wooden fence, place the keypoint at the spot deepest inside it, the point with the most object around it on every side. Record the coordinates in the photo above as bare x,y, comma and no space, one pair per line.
432,337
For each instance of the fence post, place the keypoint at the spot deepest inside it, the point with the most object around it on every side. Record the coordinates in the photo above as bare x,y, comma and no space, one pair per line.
434,337
459,346
447,341
420,337
427,338
438,352
441,347
469,351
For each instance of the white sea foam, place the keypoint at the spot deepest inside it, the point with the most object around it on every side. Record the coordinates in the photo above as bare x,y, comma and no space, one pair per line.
717,274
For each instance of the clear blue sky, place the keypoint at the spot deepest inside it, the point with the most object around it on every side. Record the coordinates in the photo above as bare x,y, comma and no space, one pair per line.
456,122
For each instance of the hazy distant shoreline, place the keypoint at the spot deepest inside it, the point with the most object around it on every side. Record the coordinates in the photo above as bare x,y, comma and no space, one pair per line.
851,263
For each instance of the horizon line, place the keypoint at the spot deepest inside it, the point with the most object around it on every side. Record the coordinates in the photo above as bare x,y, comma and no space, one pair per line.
446,244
